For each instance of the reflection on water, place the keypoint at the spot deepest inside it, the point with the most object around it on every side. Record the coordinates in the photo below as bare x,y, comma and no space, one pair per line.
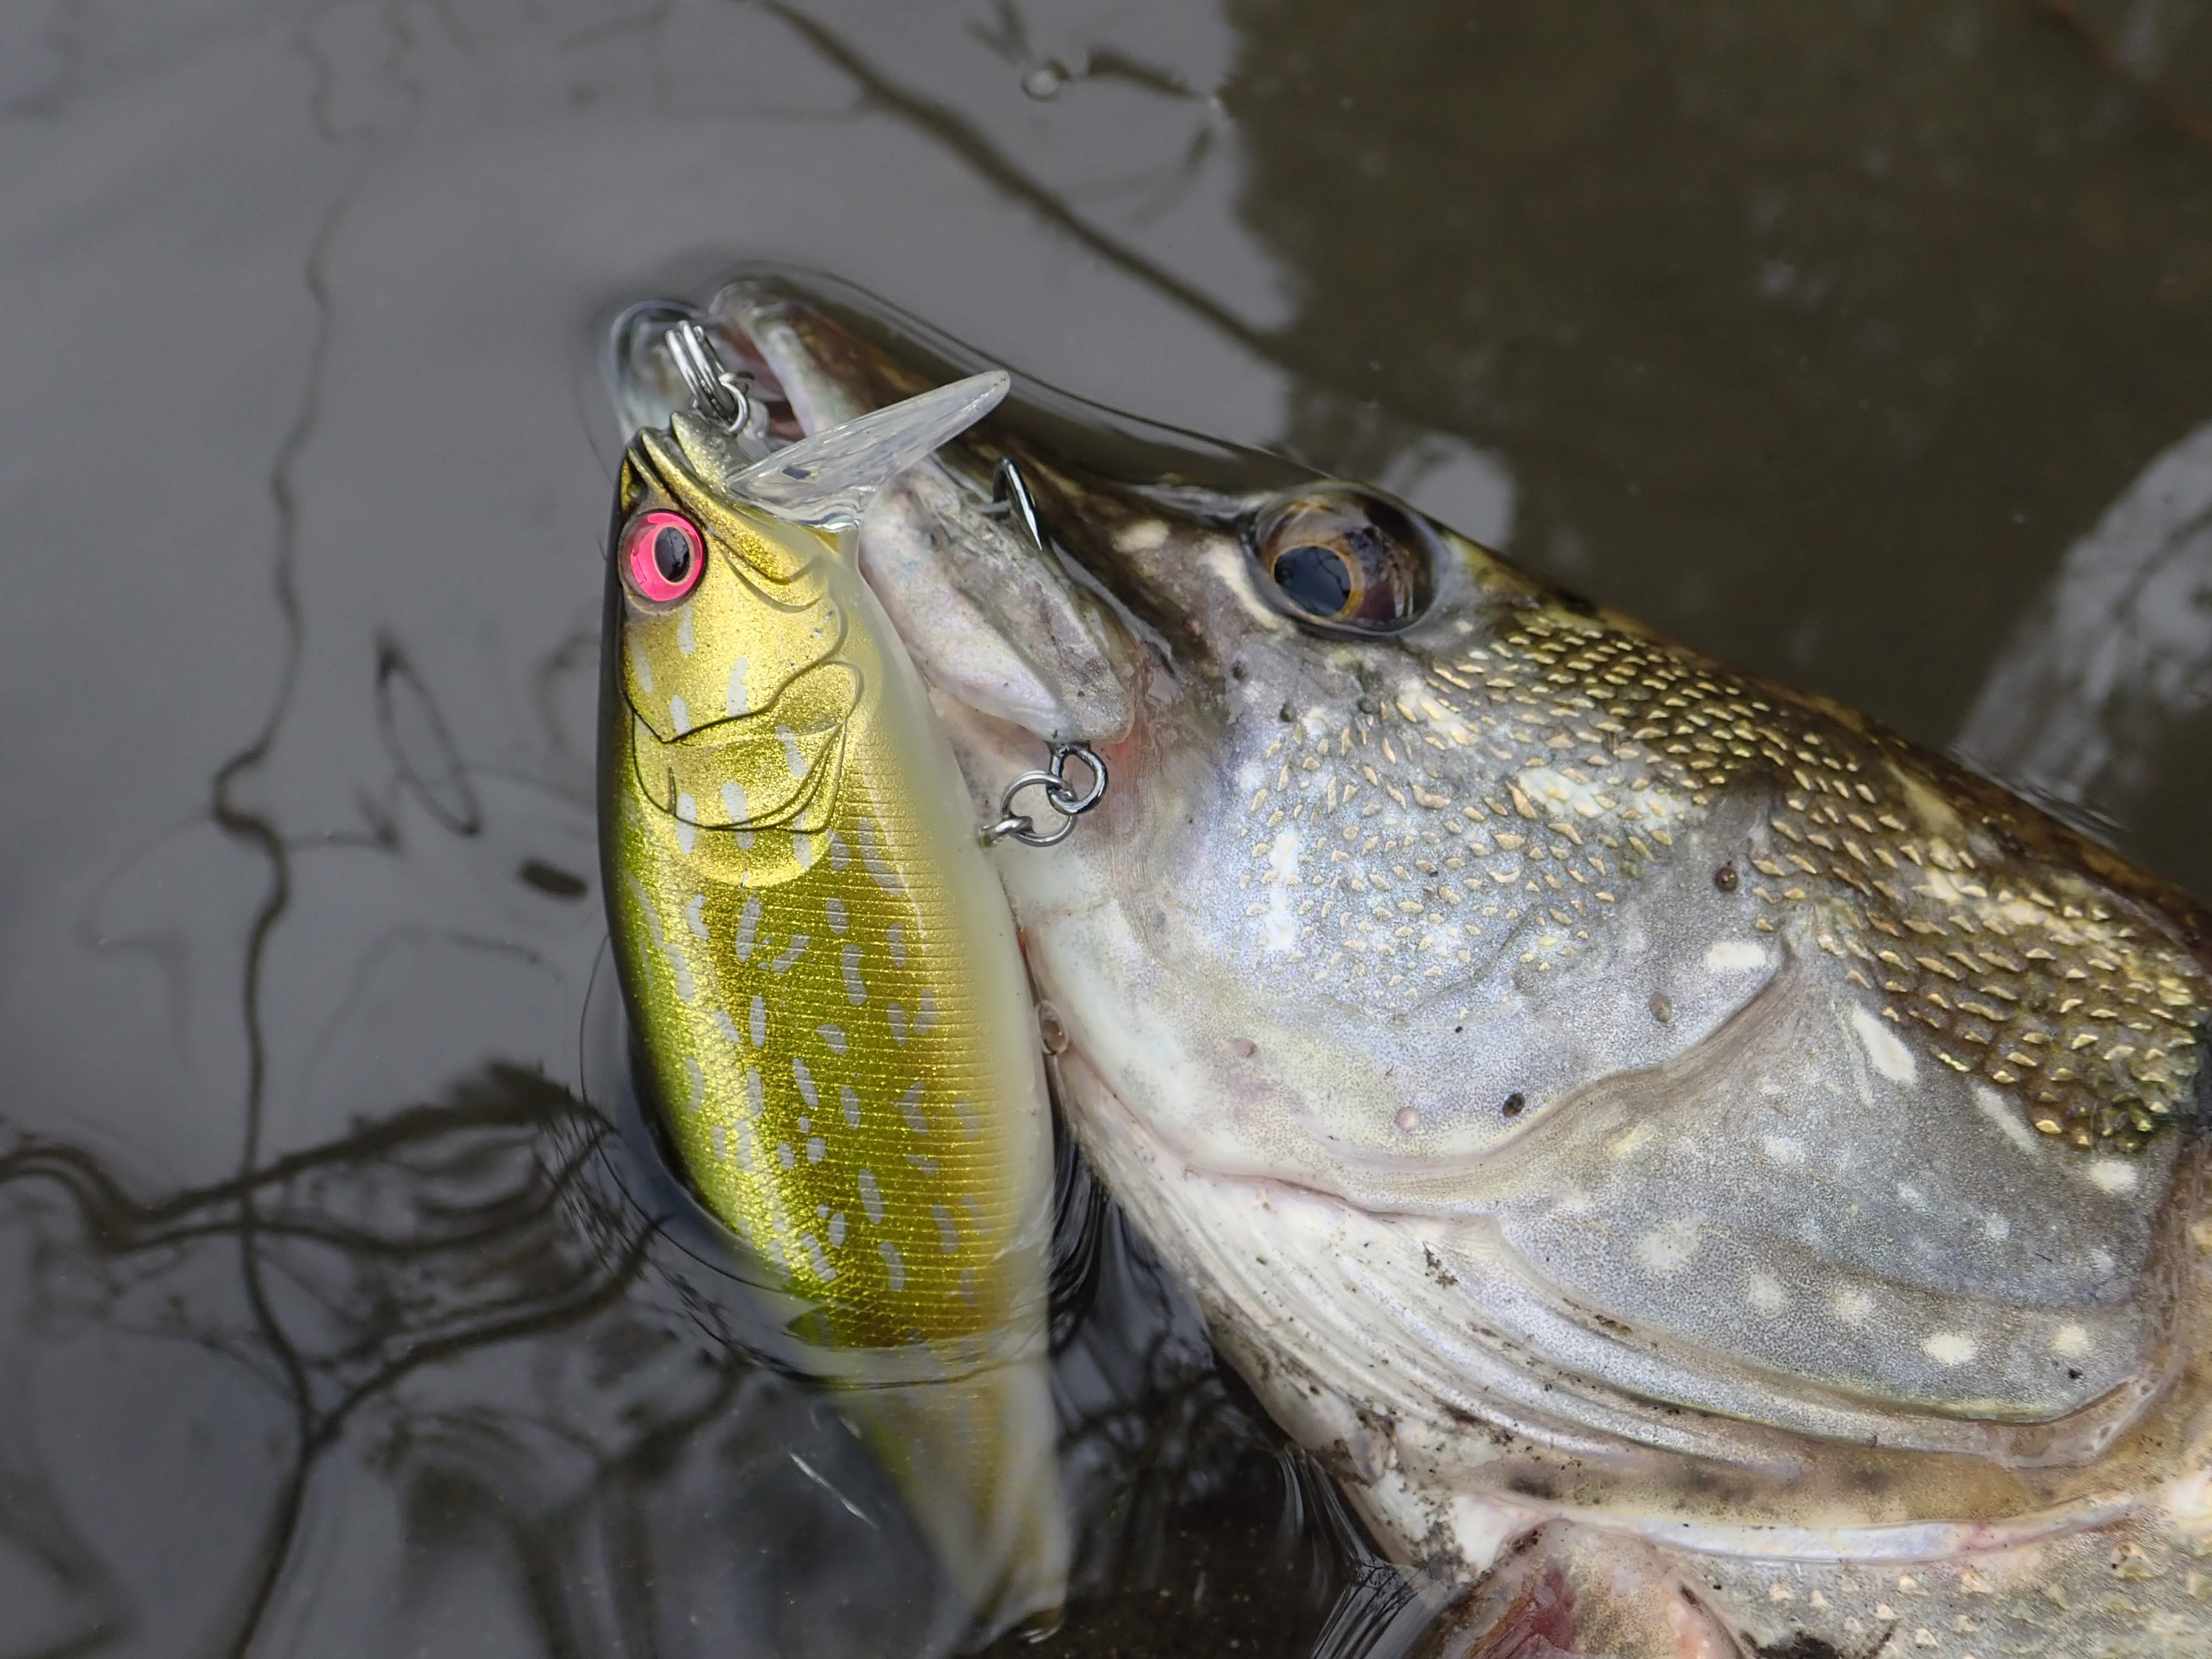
345,1305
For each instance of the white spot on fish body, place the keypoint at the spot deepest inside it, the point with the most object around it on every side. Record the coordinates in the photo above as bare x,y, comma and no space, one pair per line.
889,1251
734,699
1890,1057
695,914
1630,1141
1734,956
687,830
747,920
833,1037
835,911
2112,1174
851,1104
2000,1111
1948,1347
2070,1341
1667,1247
679,715
792,756
759,1021
804,1079
1765,1293
816,1148
948,1234
910,1105
1911,1196
1997,1227
790,954
687,640
872,1197
855,992
837,1228
1853,1307
1278,927
1782,1150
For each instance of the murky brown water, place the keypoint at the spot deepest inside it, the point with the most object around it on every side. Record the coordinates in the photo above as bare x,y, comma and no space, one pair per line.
344,1308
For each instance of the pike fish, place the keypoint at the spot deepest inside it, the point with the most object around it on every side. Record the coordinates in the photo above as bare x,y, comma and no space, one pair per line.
1708,1176
829,1004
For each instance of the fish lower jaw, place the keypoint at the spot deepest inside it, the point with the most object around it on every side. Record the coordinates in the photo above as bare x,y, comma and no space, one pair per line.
1339,1319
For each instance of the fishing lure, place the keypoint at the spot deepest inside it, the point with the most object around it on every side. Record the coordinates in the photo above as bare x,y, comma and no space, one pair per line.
829,1000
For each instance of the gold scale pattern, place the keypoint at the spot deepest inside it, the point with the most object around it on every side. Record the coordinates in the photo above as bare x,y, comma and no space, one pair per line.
1516,793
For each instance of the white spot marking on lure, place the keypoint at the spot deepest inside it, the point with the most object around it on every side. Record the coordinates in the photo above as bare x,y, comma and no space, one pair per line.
856,993
816,1148
679,715
910,1105
687,640
948,1234
748,1149
804,1079
975,1214
643,664
833,1037
925,1016
851,1102
885,876
785,1156
966,1287
802,850
790,953
897,1017
721,1137
687,830
970,1125
681,969
698,1080
753,1089
840,854
894,936
759,1021
747,920
1853,1306
695,914
814,1253
835,908
926,1165
722,1024
2070,1340
1667,1248
792,756
734,699
837,1228
872,1197
889,1251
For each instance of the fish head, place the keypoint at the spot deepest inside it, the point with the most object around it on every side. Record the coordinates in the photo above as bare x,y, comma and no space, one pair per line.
1577,1079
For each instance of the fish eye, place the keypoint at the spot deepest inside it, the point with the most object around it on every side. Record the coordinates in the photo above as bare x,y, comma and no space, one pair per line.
663,555
1344,557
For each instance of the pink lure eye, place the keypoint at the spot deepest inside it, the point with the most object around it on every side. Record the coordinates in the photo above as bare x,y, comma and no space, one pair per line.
664,554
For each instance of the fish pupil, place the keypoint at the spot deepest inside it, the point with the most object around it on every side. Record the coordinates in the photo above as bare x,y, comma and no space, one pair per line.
672,553
1314,577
